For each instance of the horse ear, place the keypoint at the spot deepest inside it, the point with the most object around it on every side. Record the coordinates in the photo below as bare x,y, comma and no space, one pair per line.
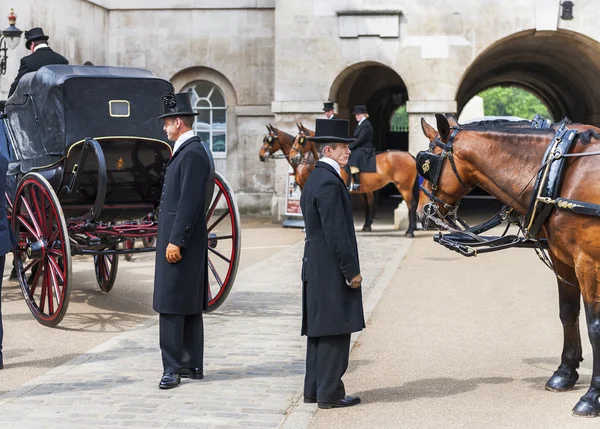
268,129
443,126
298,125
452,120
428,130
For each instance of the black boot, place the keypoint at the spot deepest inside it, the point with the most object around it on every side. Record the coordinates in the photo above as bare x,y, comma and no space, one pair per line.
355,182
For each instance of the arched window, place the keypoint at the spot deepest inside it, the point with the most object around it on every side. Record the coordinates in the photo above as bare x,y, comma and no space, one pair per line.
211,123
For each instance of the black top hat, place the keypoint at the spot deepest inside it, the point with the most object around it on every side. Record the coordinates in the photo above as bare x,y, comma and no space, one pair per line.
360,109
34,35
177,105
328,105
331,131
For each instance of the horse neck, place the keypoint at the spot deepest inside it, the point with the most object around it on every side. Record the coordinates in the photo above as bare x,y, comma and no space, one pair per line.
504,164
285,142
313,149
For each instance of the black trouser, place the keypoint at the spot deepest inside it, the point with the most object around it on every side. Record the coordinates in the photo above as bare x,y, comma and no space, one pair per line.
2,260
326,363
181,341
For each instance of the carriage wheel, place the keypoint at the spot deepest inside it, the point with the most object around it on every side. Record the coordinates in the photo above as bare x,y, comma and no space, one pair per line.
224,241
149,241
43,253
129,244
106,267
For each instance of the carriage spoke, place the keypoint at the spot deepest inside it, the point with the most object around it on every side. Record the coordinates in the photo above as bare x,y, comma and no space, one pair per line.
43,293
219,255
28,227
223,237
31,216
106,266
36,206
214,205
52,274
215,273
35,278
48,287
218,221
56,268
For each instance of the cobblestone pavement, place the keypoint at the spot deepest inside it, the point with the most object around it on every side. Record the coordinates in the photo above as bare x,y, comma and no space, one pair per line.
253,361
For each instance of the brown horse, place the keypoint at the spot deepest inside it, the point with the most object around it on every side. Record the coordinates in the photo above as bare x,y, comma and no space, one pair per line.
394,167
503,162
274,141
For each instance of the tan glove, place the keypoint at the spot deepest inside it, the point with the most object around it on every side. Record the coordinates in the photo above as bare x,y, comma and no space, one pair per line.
173,254
356,281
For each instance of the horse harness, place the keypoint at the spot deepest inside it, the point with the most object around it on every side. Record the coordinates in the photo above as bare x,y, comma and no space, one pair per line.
544,200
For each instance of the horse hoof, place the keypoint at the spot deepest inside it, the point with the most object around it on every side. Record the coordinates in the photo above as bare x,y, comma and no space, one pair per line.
562,381
585,408
409,234
366,229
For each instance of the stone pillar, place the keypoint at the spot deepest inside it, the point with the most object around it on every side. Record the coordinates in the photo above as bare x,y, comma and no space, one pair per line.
424,109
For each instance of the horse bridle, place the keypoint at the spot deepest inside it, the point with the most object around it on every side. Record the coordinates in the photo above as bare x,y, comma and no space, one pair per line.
430,167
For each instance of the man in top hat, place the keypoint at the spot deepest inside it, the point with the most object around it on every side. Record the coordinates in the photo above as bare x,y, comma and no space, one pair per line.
331,282
363,155
181,277
41,55
328,109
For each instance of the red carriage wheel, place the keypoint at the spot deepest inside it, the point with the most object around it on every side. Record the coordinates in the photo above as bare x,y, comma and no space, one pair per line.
129,244
106,267
224,243
43,253
149,241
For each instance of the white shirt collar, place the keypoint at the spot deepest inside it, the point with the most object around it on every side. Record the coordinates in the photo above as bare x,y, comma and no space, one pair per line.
182,138
331,162
362,120
40,46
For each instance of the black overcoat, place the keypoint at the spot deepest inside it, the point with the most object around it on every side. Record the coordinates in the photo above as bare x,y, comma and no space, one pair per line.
7,237
363,152
182,288
329,305
40,58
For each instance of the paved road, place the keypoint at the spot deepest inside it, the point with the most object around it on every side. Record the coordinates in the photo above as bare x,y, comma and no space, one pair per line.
94,317
461,343
254,360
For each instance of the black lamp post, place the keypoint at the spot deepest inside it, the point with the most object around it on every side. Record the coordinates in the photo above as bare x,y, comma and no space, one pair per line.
10,39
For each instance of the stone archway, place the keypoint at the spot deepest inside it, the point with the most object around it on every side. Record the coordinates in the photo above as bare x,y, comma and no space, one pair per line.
381,89
561,68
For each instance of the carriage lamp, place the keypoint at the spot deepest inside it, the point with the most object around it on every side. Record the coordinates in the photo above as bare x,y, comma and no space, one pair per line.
10,39
567,9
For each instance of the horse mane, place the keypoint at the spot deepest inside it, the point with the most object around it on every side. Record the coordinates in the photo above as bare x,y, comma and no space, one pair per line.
586,137
493,123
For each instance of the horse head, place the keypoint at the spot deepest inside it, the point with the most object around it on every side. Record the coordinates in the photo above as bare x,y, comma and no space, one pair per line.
443,186
270,143
297,151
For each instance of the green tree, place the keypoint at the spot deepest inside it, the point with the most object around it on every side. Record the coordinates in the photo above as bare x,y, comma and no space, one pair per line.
400,119
512,101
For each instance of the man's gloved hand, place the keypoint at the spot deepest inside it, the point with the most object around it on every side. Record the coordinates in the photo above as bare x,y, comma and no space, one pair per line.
173,253
356,281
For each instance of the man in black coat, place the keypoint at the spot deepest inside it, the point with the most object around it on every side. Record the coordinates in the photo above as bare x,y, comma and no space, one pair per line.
7,241
41,55
363,156
329,110
331,294
181,276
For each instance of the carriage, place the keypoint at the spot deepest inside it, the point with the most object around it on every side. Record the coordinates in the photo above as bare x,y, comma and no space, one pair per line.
87,159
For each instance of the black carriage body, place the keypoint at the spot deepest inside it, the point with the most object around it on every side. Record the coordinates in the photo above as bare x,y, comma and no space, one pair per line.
55,109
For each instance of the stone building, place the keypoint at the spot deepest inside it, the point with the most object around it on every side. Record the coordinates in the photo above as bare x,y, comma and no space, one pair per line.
252,62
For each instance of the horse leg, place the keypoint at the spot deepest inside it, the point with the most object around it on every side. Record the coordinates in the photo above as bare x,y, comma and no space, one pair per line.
588,276
412,203
368,201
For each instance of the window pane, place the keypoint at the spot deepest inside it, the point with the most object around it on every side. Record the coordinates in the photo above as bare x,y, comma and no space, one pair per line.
202,104
204,136
203,116
203,88
219,141
219,116
193,96
217,99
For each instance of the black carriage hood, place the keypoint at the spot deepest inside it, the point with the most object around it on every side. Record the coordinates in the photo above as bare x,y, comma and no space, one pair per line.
60,105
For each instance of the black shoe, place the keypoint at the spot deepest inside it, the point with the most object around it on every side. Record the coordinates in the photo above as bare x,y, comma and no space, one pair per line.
346,401
192,373
169,381
310,400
